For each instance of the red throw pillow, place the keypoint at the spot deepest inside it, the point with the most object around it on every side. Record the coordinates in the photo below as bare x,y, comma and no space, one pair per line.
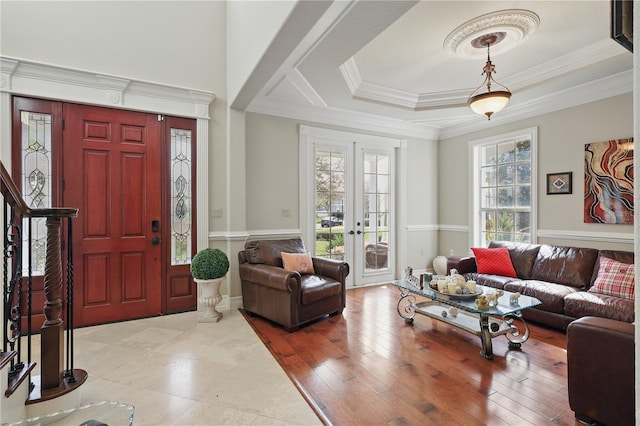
494,261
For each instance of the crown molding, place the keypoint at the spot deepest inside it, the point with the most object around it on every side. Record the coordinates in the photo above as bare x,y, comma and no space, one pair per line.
32,78
600,51
344,118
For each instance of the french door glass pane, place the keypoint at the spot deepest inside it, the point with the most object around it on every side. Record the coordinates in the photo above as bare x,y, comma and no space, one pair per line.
36,182
330,204
376,211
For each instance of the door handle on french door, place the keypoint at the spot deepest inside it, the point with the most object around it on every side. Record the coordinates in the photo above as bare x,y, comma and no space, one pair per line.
351,232
359,232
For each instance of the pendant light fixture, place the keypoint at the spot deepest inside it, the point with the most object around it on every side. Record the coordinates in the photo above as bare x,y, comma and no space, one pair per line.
489,101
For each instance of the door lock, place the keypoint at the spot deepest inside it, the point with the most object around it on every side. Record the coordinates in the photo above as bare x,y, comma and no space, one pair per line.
155,241
155,226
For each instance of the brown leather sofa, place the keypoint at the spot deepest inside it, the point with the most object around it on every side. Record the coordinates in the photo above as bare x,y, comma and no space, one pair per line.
600,371
559,277
287,297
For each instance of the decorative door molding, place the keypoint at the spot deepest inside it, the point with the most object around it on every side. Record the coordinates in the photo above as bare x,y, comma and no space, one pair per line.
41,80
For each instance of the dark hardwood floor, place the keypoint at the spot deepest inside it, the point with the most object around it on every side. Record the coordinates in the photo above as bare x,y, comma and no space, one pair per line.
367,366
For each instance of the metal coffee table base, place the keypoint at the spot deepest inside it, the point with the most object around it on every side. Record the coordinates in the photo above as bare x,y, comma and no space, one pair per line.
482,325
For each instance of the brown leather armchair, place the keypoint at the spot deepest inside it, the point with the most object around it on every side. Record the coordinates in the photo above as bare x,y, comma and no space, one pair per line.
287,297
601,371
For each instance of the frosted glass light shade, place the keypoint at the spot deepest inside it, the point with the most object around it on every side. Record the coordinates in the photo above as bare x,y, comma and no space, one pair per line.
489,102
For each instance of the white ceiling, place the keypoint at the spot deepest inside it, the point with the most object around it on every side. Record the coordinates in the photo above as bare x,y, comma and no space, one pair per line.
381,65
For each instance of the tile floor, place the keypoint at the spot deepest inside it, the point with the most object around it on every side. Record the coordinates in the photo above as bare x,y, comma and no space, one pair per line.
177,371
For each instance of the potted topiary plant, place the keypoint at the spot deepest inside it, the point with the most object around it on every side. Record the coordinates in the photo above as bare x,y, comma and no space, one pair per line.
209,267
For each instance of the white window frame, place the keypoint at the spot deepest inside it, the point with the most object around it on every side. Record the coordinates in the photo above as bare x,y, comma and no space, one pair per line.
474,180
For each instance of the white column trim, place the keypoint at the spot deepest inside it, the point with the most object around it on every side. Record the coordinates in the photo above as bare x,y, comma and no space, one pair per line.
202,188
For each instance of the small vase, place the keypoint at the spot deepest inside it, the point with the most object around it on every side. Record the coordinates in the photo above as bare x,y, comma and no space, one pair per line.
440,265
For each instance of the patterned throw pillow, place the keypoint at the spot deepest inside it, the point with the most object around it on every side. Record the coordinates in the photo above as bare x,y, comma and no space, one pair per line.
615,279
494,261
300,262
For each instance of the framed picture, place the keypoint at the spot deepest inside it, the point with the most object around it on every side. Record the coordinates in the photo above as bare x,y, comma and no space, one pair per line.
559,183
622,22
608,182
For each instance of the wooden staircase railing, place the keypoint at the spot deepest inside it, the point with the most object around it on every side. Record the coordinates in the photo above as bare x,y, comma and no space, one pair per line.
58,375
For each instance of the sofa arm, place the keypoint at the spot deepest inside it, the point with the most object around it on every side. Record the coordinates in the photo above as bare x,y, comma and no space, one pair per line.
331,268
464,264
270,276
601,370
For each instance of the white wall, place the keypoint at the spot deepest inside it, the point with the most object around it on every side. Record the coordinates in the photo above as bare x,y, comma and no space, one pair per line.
167,42
561,139
252,25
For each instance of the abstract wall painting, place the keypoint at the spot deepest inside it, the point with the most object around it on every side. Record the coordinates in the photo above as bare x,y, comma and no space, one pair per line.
608,182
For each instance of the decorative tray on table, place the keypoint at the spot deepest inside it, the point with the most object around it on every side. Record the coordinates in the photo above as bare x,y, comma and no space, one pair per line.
448,296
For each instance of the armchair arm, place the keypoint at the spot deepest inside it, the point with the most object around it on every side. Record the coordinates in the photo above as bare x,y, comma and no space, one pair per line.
270,276
331,268
464,264
601,370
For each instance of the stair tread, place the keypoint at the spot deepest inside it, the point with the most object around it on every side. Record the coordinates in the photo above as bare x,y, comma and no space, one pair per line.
16,379
38,395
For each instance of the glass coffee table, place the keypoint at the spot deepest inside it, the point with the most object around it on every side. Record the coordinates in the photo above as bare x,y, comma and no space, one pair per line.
461,311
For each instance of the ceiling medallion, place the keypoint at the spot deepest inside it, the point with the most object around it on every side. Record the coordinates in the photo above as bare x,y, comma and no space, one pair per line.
516,24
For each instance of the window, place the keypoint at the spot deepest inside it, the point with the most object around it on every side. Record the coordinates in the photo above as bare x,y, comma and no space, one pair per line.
503,196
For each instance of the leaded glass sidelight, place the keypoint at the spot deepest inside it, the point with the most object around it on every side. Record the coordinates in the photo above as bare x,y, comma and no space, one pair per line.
36,182
181,196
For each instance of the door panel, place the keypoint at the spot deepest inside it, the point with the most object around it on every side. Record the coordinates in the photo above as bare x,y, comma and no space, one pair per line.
179,243
112,169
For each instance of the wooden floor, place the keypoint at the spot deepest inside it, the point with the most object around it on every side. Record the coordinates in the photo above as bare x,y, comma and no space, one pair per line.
367,366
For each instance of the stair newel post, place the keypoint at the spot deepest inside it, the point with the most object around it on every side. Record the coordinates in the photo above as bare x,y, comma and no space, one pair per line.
52,331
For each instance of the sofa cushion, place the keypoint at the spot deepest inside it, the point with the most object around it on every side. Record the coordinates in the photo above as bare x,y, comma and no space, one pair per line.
572,266
495,281
269,251
494,261
299,262
522,256
614,279
551,295
584,303
314,288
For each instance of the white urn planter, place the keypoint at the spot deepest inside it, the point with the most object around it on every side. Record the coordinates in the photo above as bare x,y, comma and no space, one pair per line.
209,267
208,297
440,265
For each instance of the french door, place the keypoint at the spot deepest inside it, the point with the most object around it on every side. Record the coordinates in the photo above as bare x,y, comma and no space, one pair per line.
354,204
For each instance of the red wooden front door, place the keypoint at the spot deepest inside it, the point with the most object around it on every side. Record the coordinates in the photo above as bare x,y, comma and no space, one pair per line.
112,172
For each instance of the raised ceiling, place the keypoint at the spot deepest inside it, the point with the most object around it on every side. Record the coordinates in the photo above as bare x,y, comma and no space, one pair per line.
382,65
